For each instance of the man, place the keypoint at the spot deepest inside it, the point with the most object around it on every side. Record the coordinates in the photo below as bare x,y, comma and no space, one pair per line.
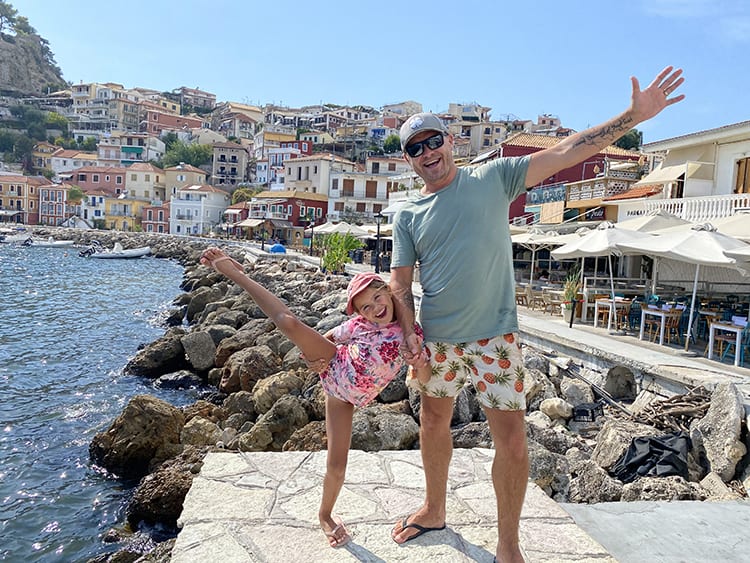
457,230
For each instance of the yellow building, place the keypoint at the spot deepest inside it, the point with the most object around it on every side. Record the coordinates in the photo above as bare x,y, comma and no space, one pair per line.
123,214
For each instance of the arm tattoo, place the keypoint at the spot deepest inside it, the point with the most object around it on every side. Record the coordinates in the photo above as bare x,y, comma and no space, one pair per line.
406,298
605,134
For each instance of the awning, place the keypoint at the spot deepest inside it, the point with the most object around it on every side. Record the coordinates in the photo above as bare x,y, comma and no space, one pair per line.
281,224
8,212
662,175
233,211
250,223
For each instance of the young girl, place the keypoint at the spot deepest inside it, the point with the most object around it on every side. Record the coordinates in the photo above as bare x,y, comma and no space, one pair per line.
356,361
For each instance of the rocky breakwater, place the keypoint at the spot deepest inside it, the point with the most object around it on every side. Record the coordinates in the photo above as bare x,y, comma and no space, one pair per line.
260,396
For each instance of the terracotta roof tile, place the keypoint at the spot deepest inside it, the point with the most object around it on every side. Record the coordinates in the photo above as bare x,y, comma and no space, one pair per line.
532,140
637,192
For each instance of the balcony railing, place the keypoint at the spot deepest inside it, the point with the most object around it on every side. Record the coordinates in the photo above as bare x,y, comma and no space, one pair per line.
598,189
701,209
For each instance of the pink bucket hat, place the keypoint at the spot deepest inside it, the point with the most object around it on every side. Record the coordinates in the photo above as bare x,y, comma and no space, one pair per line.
359,283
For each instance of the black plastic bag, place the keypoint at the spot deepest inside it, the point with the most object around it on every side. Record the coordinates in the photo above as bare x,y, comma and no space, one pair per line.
654,456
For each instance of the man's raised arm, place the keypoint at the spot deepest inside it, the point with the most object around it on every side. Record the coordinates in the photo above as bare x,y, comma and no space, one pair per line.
644,104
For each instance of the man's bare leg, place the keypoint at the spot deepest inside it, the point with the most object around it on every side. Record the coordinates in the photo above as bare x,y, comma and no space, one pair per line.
510,475
436,446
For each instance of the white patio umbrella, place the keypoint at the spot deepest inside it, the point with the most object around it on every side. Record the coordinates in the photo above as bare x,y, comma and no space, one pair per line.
741,254
343,227
602,241
701,245
532,240
653,221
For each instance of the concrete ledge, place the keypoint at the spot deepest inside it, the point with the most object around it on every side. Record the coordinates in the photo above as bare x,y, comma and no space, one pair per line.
263,506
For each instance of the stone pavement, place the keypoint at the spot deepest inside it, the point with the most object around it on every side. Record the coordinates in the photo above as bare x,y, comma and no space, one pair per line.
262,507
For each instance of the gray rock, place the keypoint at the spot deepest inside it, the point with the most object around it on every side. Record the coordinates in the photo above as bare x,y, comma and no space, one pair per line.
548,470
182,379
268,390
575,391
472,435
200,350
662,489
164,355
135,438
614,440
591,484
717,435
200,432
275,427
375,429
246,367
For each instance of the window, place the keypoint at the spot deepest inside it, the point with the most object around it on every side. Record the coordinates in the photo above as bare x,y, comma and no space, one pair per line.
375,167
335,184
302,211
315,169
95,178
391,167
149,215
133,177
107,178
148,177
371,189
361,208
118,180
319,211
338,206
348,188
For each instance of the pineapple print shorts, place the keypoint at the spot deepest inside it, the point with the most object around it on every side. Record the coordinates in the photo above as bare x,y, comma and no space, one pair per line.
494,366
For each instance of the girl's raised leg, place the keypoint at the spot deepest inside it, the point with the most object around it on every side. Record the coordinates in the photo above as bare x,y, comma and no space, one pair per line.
313,345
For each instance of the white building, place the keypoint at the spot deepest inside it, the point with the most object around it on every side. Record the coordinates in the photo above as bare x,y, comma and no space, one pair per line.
197,209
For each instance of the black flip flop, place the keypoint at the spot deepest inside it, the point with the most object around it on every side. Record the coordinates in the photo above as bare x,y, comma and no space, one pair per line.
420,529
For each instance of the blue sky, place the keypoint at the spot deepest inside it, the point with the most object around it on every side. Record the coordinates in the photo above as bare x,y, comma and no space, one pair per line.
570,59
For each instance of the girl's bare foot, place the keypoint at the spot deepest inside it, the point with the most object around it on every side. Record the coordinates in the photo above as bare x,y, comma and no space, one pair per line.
335,531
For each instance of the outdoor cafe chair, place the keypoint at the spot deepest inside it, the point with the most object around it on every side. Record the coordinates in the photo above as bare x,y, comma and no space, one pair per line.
731,342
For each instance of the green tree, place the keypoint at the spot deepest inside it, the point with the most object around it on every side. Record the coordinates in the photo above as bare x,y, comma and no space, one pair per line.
88,144
75,193
169,139
244,194
7,140
392,144
632,140
54,120
196,155
8,16
22,150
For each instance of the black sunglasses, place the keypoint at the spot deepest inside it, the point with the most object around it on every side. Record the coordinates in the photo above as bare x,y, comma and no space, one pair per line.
432,143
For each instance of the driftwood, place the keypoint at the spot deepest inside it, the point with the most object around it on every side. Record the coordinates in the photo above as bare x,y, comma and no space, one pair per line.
676,413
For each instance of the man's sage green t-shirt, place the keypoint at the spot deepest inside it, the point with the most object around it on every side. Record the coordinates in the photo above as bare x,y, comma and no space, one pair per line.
461,239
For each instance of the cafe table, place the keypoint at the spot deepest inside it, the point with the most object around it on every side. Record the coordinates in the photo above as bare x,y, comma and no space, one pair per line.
607,303
655,312
728,327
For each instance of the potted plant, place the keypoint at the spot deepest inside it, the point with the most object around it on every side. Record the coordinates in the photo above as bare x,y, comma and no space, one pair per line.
336,255
571,287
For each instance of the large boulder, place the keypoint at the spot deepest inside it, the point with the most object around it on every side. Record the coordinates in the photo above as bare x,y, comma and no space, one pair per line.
164,355
160,495
270,389
591,484
145,427
375,428
200,350
669,488
614,440
716,436
242,339
310,438
271,431
246,367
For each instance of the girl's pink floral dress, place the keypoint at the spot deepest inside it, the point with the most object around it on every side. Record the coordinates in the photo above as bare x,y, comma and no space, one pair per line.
367,359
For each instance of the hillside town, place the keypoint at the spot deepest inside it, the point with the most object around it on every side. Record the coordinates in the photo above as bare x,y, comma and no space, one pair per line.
316,164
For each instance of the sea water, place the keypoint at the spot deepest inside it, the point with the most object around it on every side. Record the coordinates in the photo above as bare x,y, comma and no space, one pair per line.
67,328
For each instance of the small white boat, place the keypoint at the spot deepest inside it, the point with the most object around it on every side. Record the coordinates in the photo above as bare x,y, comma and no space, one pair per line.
48,243
96,250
